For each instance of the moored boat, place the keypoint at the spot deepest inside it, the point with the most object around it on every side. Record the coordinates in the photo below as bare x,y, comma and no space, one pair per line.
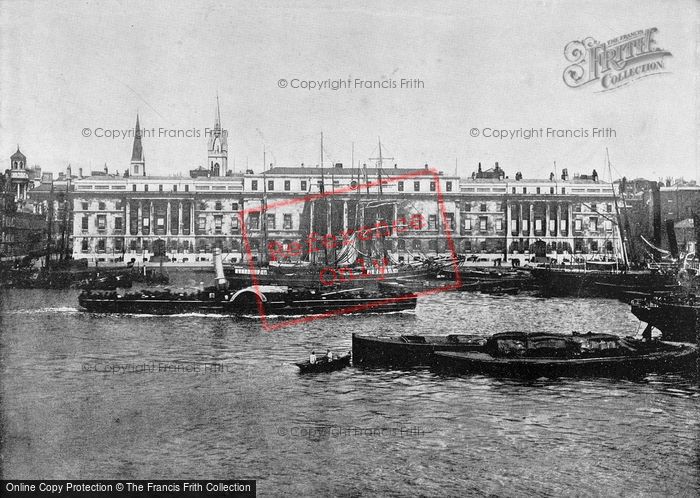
535,355
676,317
600,283
317,276
409,350
323,364
488,279
106,282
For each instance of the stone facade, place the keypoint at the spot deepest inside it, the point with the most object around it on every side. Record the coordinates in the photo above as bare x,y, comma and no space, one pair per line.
135,217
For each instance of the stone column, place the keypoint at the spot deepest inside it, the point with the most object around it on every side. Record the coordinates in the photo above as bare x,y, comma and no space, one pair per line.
520,219
509,231
139,222
546,221
531,223
167,220
558,219
179,219
127,219
151,218
192,219
570,226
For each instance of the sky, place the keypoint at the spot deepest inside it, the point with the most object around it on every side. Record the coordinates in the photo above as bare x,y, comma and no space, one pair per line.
69,66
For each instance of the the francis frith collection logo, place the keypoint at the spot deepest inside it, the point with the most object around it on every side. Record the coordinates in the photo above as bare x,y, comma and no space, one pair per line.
615,63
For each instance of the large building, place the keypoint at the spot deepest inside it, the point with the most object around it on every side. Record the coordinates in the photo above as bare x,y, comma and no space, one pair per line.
136,216
24,227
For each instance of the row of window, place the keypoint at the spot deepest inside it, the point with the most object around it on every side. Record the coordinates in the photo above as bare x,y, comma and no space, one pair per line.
538,190
416,186
100,223
303,185
119,205
160,188
254,185
287,223
271,220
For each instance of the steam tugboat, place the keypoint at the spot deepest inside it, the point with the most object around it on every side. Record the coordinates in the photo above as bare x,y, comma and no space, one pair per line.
272,300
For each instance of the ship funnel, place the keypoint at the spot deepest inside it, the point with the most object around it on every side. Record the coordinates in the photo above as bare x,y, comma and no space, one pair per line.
220,279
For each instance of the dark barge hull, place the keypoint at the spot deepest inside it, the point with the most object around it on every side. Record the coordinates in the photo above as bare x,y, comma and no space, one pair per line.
155,306
677,322
677,358
397,352
562,282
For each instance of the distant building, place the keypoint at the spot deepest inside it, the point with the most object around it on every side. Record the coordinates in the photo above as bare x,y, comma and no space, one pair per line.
22,230
18,175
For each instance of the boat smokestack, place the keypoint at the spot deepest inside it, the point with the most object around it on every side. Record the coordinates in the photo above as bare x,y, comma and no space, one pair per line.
220,279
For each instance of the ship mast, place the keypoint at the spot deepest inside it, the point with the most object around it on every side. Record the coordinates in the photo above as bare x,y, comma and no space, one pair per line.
380,194
263,212
325,201
617,213
49,229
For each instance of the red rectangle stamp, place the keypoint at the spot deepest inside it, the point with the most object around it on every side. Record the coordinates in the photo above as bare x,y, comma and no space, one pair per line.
332,245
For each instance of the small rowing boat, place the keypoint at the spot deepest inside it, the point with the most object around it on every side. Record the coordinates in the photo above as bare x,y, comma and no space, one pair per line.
323,364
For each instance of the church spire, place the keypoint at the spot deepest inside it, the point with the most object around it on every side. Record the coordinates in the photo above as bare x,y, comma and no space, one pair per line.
218,146
217,123
138,163
137,152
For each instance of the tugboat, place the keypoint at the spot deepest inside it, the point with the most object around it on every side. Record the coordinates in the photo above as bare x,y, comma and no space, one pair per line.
272,300
533,355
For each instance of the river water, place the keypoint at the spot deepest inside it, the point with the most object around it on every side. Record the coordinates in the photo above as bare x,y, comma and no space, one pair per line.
87,396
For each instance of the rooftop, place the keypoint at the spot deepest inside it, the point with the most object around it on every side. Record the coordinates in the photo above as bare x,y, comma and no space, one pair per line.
373,172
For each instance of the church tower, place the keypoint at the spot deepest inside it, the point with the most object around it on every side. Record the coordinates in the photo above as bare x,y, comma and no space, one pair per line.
19,178
138,162
218,147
